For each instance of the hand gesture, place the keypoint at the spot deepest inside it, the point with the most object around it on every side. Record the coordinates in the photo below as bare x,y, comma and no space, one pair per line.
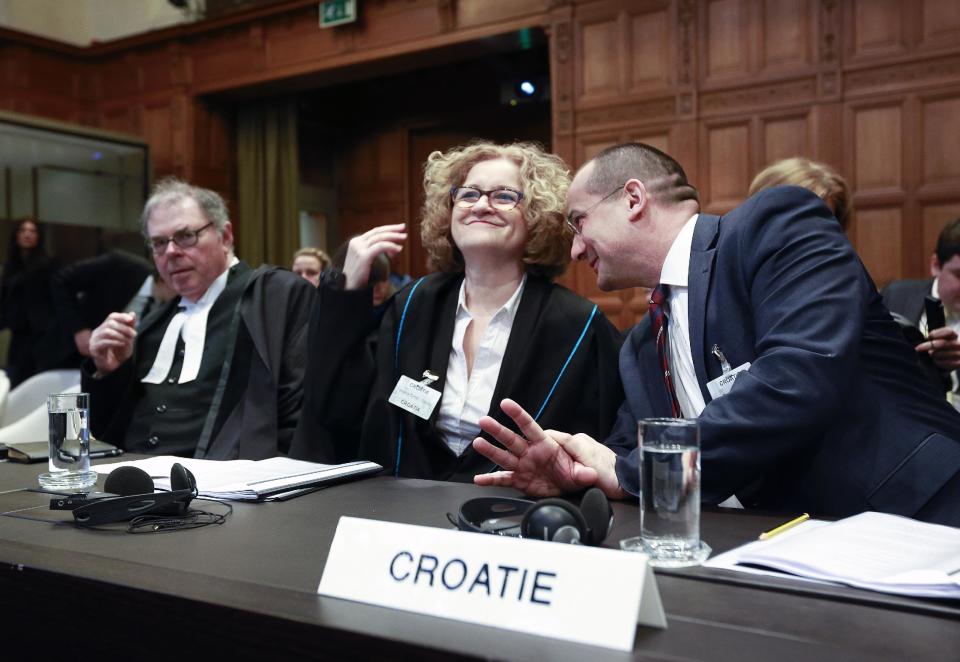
943,348
111,343
363,250
545,462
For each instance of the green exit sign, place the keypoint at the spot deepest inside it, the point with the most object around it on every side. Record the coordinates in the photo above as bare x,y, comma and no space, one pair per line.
337,12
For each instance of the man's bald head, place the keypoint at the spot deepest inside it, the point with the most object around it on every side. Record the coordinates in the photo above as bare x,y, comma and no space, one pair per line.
663,178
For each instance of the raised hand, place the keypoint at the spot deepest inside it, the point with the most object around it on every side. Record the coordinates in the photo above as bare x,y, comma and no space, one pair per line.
544,462
111,343
363,250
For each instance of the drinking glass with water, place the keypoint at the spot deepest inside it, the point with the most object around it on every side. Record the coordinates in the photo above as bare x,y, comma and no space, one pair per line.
669,493
68,445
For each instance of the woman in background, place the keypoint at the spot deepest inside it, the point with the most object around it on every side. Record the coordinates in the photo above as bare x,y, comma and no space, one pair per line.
26,305
491,324
308,262
814,176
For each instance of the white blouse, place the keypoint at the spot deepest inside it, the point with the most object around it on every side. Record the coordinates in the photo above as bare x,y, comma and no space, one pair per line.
465,399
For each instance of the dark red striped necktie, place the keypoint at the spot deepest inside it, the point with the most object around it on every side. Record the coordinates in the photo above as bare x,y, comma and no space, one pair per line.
658,311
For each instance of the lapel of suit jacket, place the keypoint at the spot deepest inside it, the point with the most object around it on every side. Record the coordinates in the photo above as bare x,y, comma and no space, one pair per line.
702,253
524,326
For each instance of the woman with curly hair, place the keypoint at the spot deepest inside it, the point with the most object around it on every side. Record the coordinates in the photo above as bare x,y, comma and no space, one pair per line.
490,324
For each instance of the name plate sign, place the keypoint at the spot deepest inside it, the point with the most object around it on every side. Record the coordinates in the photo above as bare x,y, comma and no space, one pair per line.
584,594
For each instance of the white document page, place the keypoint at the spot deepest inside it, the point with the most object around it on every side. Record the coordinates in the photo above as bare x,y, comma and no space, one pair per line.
244,479
871,550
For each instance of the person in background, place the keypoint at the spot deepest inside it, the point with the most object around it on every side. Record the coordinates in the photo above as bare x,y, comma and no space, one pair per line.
27,306
939,347
308,262
492,323
87,291
820,178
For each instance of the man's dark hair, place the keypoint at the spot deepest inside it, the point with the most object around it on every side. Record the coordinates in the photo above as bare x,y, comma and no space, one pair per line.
948,243
662,176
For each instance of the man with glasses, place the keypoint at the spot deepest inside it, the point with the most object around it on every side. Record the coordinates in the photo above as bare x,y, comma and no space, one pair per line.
217,372
765,326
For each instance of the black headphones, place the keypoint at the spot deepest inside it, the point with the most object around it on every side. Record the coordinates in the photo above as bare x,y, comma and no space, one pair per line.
136,497
554,520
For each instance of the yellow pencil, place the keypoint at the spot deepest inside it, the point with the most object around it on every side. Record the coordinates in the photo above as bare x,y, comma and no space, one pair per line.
783,527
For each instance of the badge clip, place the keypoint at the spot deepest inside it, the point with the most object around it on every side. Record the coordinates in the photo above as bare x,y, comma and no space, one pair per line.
428,378
724,364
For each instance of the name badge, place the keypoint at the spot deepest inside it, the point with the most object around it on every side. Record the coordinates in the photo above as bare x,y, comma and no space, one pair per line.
572,592
414,397
722,384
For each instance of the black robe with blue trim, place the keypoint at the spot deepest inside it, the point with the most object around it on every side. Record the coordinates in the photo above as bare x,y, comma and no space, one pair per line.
345,412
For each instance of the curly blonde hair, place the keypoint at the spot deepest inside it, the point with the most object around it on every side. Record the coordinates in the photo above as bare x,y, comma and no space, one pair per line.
544,179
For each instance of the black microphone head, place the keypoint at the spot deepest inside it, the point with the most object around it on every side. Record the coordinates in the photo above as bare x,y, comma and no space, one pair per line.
598,514
127,481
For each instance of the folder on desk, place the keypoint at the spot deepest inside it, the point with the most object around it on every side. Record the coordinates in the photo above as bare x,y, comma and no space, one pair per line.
250,480
873,551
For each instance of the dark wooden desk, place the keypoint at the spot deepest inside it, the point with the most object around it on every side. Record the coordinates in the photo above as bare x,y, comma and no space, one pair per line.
246,590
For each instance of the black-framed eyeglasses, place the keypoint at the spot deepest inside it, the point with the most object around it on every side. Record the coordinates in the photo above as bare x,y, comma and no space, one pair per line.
502,198
182,238
575,220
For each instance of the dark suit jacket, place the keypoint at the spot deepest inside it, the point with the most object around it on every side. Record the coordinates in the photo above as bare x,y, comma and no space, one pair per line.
346,387
89,290
905,298
833,416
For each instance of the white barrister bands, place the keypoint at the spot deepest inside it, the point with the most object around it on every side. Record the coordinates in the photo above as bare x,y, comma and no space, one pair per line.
587,595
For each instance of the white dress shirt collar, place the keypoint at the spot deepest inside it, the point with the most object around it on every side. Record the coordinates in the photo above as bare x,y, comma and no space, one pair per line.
676,266
190,323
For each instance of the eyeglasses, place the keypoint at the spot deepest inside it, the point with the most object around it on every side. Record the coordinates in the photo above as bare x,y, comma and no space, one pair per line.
575,222
182,238
503,198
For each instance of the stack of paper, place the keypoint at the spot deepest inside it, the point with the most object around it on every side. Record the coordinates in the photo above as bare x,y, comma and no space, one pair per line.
248,480
874,551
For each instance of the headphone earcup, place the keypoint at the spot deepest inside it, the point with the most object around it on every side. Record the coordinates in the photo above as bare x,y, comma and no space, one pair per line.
127,481
554,520
598,513
181,478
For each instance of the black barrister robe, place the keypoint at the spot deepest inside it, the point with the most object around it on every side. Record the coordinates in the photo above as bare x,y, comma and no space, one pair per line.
346,414
261,387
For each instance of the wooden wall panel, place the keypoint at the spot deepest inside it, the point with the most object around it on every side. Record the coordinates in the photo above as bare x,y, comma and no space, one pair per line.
877,27
651,49
784,137
156,122
727,46
287,42
471,13
878,233
940,22
941,142
877,148
786,34
601,49
728,163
